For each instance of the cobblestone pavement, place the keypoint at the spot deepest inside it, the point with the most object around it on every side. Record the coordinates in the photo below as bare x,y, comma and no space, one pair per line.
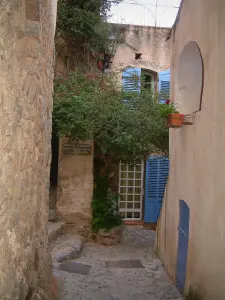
150,283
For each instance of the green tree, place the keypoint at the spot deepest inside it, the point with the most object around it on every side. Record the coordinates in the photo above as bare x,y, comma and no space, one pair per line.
124,124
85,22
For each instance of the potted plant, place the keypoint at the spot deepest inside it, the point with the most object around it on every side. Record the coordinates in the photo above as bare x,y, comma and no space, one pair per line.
173,117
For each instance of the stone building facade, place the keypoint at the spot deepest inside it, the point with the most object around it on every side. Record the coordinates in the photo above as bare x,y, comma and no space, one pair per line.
191,233
144,53
73,195
26,76
149,42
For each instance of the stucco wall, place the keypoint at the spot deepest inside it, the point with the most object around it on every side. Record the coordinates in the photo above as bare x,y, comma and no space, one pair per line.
197,164
26,73
75,187
150,41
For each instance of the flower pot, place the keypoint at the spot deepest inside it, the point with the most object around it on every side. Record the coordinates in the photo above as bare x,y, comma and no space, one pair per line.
175,120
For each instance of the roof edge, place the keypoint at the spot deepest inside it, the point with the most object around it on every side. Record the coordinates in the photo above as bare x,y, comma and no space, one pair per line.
176,20
140,26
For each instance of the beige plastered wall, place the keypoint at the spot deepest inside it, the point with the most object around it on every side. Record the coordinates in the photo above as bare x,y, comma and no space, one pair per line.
197,164
149,41
26,77
75,173
75,187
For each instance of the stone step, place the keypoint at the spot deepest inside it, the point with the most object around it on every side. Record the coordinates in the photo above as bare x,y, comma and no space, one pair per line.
55,229
51,215
66,248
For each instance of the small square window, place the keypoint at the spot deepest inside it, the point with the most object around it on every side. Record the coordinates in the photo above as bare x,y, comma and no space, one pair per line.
130,198
129,215
138,55
129,204
137,205
130,183
123,182
137,215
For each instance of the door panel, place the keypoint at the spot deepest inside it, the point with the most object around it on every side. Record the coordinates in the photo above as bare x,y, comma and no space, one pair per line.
131,190
182,251
157,169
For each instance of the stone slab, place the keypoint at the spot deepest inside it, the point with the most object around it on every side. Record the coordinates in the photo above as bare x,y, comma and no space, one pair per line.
76,241
125,264
54,230
66,253
67,248
73,267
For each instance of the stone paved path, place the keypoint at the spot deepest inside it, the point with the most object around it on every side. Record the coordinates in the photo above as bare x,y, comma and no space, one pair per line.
150,283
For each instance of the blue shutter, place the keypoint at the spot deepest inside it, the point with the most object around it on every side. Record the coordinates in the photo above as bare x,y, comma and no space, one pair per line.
182,250
157,169
164,85
131,79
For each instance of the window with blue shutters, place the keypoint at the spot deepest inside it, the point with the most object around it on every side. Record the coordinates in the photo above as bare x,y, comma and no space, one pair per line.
164,85
131,79
165,88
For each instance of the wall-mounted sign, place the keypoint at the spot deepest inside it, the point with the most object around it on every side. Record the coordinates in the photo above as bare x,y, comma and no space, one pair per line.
77,149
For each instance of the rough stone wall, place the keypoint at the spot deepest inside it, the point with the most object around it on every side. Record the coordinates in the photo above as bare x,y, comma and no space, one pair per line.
75,188
197,165
75,175
26,74
149,41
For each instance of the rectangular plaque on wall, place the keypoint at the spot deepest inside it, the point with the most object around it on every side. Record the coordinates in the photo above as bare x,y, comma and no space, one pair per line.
77,149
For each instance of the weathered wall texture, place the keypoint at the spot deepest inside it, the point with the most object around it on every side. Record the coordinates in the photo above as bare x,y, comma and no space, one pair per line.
150,41
75,174
197,169
26,74
75,187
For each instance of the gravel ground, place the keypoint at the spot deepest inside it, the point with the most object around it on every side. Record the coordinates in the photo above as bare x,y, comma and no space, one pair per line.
150,283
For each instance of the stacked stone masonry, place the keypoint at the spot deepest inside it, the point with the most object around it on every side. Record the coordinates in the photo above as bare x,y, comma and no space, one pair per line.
26,76
75,187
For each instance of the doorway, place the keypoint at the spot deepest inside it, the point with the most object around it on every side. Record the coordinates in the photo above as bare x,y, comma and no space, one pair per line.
53,176
131,190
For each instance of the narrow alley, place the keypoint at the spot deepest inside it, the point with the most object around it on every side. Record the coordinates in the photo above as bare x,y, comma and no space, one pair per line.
112,142
106,281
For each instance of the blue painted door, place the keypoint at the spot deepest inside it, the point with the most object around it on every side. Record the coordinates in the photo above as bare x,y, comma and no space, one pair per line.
164,85
182,252
157,169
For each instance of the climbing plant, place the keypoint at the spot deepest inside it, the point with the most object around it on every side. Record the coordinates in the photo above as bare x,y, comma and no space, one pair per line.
105,207
85,22
123,124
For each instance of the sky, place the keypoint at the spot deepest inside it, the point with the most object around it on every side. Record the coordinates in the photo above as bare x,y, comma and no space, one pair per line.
145,12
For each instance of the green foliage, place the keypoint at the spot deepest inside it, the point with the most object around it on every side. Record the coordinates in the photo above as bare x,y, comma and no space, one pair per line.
105,209
96,109
84,22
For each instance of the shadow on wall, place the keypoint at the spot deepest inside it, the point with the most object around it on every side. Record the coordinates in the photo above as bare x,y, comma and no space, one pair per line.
193,294
189,80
